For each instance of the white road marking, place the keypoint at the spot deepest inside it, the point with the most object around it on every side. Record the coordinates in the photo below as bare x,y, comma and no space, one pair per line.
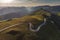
30,26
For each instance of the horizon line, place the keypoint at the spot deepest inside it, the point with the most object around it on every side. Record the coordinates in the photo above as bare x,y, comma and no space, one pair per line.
25,5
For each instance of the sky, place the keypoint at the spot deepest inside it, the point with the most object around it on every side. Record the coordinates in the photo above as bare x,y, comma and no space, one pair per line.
42,1
30,2
39,1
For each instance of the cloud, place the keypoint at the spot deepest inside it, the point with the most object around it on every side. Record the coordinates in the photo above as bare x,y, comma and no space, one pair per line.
33,2
40,1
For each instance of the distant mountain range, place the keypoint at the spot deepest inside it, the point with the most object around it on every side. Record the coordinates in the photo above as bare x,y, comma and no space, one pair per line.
13,12
53,9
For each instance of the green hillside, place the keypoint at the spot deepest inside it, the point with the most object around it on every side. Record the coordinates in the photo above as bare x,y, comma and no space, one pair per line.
58,14
21,32
23,28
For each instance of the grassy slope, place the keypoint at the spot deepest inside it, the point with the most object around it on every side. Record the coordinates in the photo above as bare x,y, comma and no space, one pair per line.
58,14
47,32
20,20
23,28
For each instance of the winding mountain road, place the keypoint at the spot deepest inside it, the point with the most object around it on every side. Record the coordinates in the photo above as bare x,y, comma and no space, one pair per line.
36,30
9,27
